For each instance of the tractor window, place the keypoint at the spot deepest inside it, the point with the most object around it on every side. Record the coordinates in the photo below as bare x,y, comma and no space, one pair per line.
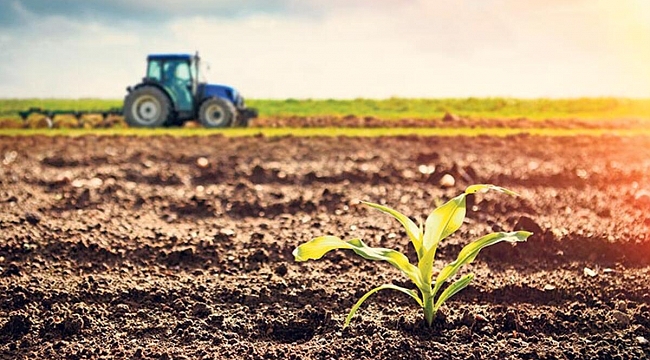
153,72
183,72
177,71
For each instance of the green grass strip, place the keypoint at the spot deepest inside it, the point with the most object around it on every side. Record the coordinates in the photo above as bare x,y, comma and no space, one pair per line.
395,108
323,132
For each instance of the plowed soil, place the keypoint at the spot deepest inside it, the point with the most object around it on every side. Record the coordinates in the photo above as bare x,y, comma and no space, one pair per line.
180,248
354,121
448,121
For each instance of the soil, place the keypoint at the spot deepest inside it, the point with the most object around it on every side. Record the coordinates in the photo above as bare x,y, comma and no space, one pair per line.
354,121
180,248
448,121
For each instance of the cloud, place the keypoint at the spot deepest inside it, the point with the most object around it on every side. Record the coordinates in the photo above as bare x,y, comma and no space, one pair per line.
336,48
15,13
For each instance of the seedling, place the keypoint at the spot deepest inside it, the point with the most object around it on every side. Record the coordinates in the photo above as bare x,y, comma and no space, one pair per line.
442,222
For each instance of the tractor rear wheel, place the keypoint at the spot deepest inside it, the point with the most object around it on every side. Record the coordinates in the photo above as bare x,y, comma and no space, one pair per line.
217,113
147,106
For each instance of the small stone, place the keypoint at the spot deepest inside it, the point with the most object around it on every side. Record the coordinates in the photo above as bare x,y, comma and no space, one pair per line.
227,232
641,340
621,305
447,181
78,183
427,169
621,318
549,287
95,182
588,272
32,218
10,157
608,271
202,162
582,173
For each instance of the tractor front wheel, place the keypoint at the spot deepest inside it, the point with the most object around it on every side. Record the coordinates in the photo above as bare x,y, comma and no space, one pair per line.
217,113
147,106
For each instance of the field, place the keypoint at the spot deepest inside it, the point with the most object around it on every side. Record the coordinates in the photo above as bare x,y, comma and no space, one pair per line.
395,108
179,247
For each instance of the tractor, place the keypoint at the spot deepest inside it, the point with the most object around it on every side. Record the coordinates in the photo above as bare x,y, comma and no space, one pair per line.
171,94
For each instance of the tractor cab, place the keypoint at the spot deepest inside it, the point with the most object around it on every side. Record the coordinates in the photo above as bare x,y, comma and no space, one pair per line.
178,74
171,94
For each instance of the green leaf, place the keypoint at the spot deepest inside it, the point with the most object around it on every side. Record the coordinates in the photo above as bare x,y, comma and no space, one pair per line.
471,250
411,293
485,187
452,289
316,248
414,233
442,222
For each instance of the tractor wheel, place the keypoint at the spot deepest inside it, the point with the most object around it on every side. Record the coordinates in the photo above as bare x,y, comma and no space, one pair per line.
217,113
147,106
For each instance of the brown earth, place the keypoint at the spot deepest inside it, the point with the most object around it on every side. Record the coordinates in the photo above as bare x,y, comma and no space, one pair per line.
353,121
450,121
125,247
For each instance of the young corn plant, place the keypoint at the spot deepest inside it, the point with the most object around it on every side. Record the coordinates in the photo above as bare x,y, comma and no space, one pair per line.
442,222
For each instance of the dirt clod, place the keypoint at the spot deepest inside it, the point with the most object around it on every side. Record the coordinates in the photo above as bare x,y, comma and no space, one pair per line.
450,117
73,324
17,326
32,218
11,269
621,319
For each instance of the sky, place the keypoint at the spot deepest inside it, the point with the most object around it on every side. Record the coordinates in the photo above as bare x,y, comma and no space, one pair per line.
332,48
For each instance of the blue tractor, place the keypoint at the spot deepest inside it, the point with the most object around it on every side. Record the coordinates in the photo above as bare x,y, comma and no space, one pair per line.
171,94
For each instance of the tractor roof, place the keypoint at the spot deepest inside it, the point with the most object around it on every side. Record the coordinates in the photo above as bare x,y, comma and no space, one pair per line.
163,57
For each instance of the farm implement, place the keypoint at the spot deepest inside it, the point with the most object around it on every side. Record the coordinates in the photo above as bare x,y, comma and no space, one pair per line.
79,115
169,95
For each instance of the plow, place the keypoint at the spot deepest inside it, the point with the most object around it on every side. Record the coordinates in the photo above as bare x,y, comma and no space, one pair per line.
78,115
170,94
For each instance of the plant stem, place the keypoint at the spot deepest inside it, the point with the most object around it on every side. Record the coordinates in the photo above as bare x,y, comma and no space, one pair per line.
429,311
